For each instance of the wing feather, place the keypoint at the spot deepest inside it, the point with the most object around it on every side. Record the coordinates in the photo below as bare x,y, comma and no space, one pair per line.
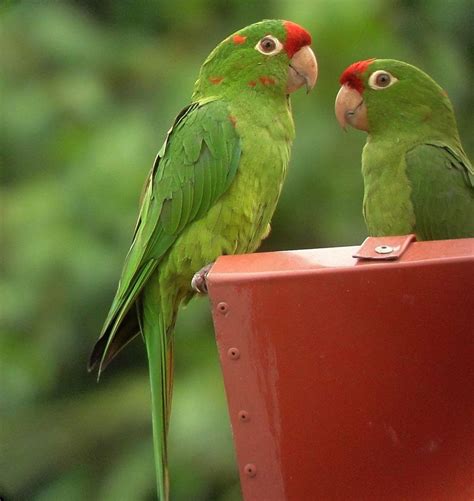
442,184
194,167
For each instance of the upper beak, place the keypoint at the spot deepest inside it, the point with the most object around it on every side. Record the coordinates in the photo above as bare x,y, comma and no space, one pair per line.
350,109
303,70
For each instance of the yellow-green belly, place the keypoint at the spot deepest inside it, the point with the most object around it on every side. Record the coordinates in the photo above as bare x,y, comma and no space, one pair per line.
236,224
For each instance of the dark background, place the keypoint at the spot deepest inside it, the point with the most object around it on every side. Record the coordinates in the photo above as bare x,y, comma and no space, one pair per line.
88,90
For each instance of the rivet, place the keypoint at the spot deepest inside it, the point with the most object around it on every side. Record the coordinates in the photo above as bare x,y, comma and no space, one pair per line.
250,469
223,307
233,353
384,249
244,416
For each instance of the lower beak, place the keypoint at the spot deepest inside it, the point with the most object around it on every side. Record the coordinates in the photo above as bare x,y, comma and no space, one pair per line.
303,70
350,109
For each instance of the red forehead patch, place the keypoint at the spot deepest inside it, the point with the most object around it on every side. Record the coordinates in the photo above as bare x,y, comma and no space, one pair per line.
351,75
296,37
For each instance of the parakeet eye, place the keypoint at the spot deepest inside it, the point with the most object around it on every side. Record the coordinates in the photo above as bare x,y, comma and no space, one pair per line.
269,45
381,79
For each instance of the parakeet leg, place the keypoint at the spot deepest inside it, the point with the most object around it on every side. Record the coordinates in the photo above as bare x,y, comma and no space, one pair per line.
198,283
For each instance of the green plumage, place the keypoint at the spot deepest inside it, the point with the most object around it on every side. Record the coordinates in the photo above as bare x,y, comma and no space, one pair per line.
212,190
417,177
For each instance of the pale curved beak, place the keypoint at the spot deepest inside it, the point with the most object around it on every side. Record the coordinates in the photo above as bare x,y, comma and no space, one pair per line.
303,70
350,109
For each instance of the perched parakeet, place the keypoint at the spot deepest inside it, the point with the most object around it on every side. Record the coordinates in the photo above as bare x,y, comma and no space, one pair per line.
212,190
417,178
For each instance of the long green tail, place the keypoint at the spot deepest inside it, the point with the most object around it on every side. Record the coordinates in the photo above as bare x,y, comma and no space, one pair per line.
160,363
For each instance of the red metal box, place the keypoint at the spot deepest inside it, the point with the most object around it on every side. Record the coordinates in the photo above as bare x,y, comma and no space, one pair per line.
350,379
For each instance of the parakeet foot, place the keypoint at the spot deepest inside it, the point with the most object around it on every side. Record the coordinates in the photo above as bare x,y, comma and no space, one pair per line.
198,283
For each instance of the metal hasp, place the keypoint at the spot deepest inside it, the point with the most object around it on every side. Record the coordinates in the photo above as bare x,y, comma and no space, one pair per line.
346,378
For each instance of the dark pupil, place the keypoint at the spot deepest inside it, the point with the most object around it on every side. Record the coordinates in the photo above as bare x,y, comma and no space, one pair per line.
383,80
268,44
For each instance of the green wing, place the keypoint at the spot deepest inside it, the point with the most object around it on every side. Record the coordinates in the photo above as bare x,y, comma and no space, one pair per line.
442,183
194,167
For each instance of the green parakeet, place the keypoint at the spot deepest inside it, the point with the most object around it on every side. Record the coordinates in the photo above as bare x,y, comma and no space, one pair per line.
212,190
417,178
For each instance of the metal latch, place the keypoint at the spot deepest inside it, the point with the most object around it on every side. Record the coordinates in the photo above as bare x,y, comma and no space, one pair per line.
384,248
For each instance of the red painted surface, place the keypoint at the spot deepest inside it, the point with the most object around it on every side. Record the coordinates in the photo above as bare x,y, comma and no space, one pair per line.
351,75
349,379
384,248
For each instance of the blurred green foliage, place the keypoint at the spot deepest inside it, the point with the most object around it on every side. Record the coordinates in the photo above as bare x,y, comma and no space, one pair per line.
88,90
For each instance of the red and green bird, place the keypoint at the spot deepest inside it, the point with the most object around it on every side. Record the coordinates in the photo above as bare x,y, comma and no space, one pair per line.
212,190
417,177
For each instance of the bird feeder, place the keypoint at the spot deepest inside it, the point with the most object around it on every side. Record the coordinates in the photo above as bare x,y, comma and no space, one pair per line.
349,372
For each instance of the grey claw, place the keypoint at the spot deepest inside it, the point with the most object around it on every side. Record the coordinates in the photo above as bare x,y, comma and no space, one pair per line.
198,283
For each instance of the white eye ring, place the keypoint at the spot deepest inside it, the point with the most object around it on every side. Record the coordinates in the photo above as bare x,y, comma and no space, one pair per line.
269,45
381,79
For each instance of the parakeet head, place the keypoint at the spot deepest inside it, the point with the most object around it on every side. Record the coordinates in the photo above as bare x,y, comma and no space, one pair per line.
272,57
388,96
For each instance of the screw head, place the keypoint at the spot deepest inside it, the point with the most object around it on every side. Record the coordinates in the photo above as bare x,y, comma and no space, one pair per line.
250,470
384,249
244,416
233,353
223,307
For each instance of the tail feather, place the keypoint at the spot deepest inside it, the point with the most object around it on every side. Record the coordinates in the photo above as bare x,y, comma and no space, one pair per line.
103,351
170,370
160,361
122,322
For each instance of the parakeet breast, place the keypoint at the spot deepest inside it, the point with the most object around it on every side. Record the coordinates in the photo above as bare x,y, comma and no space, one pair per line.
387,206
240,219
